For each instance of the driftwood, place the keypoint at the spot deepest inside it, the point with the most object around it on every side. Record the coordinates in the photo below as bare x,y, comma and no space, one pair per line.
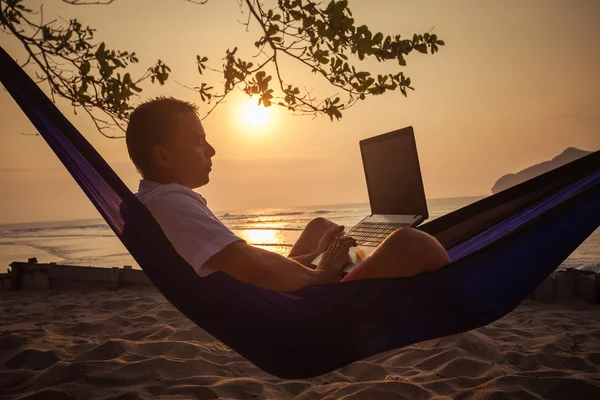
562,284
34,275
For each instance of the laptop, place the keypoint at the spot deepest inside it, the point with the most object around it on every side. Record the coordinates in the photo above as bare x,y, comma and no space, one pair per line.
396,192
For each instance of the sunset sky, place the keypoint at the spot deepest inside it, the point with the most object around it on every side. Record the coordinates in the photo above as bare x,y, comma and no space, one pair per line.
516,84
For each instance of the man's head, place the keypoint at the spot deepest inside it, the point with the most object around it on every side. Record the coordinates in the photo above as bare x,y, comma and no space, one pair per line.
166,142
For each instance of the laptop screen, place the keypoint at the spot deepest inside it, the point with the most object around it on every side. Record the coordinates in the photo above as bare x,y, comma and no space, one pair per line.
393,174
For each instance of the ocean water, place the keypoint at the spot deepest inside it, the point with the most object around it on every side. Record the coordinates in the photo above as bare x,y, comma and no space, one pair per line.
91,242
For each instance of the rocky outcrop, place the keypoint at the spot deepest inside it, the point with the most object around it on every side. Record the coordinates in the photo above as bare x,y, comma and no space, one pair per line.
565,157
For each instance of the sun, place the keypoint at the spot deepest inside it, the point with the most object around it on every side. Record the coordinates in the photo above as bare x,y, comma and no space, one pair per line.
255,118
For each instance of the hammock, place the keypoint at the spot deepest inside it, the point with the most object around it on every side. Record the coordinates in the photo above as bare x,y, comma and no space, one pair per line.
502,247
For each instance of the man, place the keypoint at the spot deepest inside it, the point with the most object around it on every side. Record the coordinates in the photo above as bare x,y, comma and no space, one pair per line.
168,145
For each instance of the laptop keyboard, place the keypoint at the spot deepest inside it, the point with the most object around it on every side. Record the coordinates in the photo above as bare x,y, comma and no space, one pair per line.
373,233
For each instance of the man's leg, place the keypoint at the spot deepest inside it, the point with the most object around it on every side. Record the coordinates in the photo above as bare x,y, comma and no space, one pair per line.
310,237
406,252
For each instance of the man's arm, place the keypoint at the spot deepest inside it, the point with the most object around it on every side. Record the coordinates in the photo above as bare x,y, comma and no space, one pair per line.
306,259
266,269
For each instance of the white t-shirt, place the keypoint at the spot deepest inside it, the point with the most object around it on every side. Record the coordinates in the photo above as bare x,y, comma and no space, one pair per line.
195,232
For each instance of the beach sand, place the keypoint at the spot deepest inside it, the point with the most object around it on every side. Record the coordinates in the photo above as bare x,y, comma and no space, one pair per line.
132,344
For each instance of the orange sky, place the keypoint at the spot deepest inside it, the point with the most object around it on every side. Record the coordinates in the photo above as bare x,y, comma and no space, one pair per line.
515,85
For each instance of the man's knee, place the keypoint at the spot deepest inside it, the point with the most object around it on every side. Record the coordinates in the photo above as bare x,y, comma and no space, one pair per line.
404,238
320,224
419,247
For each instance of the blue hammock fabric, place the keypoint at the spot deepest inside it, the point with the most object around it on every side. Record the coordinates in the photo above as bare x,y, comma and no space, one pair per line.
501,248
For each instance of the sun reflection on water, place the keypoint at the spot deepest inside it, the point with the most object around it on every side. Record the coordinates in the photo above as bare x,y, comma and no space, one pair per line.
268,239
262,236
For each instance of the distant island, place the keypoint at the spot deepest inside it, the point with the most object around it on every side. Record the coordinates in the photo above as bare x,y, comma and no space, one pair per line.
565,157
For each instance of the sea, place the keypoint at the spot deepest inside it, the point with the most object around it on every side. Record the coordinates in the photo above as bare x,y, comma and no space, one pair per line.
91,242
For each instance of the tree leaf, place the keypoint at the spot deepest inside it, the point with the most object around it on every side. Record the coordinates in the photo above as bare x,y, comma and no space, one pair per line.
421,48
85,67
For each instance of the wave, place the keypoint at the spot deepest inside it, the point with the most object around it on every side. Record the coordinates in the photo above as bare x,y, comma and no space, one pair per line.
52,228
261,228
228,216
70,235
54,250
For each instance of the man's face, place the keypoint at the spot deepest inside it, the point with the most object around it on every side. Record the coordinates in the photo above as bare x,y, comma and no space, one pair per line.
190,154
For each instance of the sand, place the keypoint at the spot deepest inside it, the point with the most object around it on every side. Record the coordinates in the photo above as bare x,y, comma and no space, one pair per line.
132,344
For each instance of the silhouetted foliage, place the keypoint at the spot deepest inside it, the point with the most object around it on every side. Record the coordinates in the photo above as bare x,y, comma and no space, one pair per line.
323,38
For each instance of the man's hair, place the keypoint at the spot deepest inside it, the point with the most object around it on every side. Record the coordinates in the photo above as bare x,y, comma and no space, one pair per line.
151,123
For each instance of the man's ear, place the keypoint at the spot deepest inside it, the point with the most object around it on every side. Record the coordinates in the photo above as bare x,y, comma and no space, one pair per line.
160,157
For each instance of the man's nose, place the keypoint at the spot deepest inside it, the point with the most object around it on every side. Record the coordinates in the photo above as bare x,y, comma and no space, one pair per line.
211,150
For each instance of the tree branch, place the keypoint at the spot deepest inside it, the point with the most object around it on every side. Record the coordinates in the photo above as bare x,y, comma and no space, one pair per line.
323,38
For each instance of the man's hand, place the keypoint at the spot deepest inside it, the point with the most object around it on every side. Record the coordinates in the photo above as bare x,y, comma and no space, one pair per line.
329,237
336,255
